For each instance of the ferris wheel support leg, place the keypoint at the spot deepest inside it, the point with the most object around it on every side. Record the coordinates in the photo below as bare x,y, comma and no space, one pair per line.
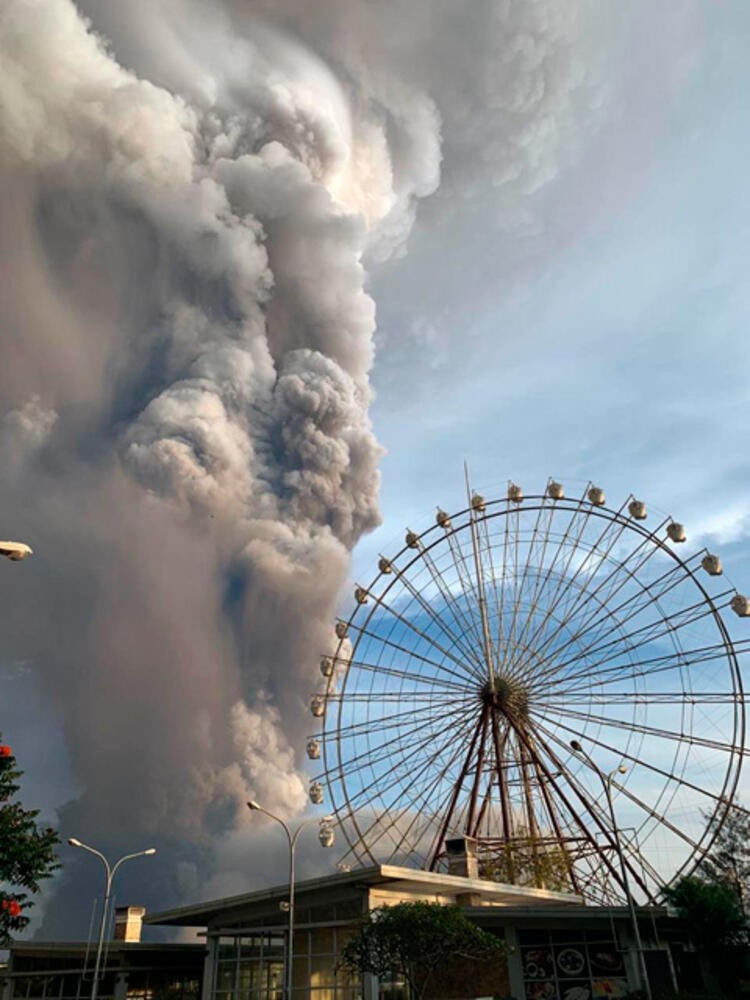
477,773
503,793
454,797
573,811
554,819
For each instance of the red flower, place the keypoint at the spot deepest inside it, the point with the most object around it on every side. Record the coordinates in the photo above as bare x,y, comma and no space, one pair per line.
5,751
5,904
14,908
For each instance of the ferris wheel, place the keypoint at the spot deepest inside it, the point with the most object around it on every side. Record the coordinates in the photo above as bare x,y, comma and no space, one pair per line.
520,670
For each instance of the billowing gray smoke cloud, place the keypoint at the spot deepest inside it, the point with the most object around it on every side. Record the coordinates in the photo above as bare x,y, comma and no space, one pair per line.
187,336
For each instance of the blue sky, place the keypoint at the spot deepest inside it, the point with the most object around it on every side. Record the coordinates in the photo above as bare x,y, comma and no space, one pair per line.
620,354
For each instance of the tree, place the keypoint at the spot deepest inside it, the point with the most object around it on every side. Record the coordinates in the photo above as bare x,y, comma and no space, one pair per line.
713,914
711,911
412,940
729,860
530,860
27,853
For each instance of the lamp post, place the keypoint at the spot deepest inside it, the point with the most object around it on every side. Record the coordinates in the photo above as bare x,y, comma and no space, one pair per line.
15,551
110,874
326,837
606,780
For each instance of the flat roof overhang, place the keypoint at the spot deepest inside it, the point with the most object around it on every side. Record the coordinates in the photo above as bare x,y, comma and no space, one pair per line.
383,876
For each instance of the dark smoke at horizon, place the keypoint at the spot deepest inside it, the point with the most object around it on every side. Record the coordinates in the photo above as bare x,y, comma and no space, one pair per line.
191,196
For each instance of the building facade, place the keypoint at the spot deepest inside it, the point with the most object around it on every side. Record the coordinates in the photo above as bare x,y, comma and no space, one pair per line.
131,971
557,948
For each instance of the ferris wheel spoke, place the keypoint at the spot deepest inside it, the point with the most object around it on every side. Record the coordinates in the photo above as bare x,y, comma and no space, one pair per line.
682,660
624,755
428,817
389,697
376,638
616,527
621,571
387,721
647,598
498,746
665,662
541,515
667,625
513,517
502,639
649,810
565,551
494,579
600,597
631,846
447,687
411,798
646,698
415,767
460,616
410,625
456,640
478,769
487,644
468,583
625,570
364,758
667,628
396,780
540,669
458,562
672,735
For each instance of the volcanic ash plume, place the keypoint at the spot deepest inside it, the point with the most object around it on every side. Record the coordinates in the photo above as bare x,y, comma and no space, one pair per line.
186,346
191,345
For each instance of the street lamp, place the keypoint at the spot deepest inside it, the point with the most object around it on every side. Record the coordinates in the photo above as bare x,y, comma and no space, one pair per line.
110,874
606,780
326,837
15,551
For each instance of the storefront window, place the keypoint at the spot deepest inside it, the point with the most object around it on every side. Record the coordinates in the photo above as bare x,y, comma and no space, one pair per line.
316,972
571,965
250,967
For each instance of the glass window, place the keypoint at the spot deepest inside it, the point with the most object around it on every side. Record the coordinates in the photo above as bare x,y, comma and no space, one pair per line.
326,993
321,970
300,974
250,967
225,975
349,909
321,941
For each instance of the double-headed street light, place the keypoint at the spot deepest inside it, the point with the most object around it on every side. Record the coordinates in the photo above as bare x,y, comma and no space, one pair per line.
110,874
15,551
606,780
326,837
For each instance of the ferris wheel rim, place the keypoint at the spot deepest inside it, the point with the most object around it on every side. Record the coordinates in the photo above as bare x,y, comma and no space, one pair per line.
501,508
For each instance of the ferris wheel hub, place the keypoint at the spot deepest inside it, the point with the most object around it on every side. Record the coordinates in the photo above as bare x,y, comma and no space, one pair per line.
507,695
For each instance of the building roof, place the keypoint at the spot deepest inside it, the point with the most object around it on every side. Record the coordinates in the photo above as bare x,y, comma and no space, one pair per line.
385,876
130,947
578,911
